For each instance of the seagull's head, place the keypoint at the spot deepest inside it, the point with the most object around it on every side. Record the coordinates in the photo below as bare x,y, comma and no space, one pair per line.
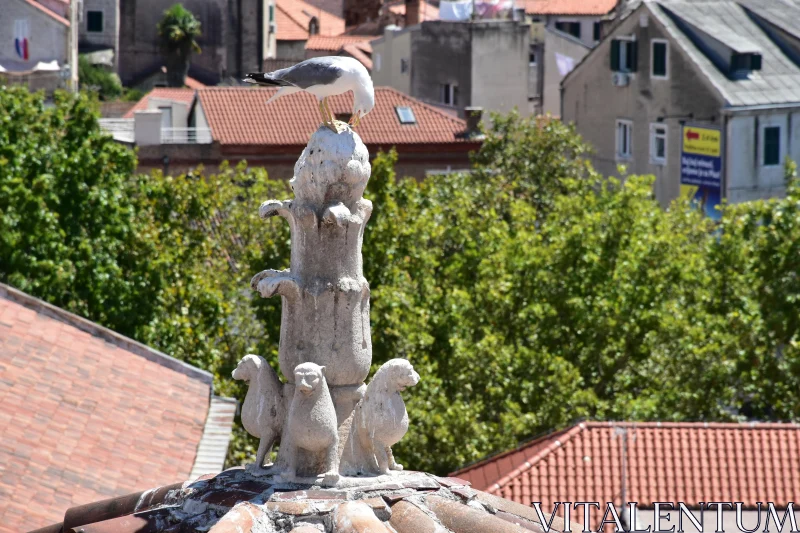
363,100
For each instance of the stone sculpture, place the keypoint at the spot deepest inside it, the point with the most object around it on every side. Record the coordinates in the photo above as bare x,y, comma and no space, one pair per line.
381,418
325,349
264,409
312,430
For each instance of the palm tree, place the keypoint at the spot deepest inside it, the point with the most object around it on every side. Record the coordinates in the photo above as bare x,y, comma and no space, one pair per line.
178,30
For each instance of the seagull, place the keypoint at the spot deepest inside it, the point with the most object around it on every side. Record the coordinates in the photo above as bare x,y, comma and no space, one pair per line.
323,77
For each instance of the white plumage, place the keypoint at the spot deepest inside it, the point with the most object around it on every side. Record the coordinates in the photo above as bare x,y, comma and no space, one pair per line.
323,77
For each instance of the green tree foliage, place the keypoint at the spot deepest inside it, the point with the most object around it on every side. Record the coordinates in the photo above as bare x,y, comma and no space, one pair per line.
178,31
528,294
94,78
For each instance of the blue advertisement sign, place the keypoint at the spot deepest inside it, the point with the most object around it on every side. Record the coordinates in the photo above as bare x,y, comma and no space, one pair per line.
701,167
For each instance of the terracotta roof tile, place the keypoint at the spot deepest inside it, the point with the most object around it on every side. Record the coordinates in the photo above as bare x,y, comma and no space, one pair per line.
359,51
569,7
672,462
47,12
293,16
241,116
185,96
335,43
85,414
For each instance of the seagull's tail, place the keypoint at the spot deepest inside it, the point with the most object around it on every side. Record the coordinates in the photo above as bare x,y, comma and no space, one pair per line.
265,78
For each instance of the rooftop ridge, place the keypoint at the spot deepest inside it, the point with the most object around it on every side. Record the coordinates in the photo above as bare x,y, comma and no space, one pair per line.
112,337
557,443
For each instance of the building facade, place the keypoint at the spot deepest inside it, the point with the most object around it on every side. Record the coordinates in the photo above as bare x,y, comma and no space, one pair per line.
672,76
481,63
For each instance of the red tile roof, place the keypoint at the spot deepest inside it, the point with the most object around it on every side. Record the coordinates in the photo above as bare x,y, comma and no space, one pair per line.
293,16
241,116
569,7
361,51
86,413
669,462
185,96
47,12
334,44
192,83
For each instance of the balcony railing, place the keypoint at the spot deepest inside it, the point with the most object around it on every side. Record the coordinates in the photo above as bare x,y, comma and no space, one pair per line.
119,128
185,136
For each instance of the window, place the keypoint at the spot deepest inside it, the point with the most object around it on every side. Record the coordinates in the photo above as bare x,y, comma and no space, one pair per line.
272,13
658,144
377,62
772,146
572,28
449,94
596,34
624,139
623,55
745,62
313,26
94,21
405,115
659,56
532,58
403,65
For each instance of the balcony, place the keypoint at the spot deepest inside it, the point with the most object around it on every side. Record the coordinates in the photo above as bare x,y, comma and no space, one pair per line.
185,136
124,130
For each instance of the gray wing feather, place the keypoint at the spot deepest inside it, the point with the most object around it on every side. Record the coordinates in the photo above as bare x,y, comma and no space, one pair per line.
315,71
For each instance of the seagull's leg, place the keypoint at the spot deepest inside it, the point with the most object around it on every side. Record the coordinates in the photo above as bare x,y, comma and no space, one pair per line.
331,119
322,113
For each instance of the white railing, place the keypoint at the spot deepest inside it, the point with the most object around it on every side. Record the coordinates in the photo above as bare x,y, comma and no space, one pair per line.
119,128
185,136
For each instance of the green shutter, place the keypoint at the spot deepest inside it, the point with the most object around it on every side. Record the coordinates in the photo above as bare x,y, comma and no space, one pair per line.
633,59
615,55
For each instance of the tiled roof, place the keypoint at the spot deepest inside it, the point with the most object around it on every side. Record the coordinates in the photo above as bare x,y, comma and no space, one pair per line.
669,462
241,116
293,16
727,21
192,83
569,7
87,414
428,11
361,51
47,12
236,502
185,96
334,44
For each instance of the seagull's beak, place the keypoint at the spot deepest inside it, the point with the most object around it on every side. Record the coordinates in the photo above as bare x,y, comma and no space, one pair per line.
355,119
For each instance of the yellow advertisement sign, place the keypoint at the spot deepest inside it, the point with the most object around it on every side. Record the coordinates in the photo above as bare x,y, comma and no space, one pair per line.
702,141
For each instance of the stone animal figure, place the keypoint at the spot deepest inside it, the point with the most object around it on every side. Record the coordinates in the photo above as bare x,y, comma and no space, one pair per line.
381,417
264,409
312,426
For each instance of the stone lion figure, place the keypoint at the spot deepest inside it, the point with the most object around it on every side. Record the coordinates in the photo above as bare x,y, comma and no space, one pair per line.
264,409
381,418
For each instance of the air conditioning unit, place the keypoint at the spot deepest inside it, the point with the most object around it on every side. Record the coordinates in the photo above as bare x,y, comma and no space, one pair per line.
620,79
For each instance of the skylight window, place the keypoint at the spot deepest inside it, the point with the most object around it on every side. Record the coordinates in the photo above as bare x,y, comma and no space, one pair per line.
406,115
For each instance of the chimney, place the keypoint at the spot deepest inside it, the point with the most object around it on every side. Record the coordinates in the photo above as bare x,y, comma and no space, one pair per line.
147,127
413,12
473,116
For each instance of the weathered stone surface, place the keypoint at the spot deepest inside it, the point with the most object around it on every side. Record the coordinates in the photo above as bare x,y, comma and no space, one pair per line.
381,421
460,518
303,507
243,518
379,507
520,510
357,517
264,409
408,518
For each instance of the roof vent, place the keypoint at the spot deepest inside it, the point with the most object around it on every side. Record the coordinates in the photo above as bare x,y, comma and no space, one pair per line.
405,115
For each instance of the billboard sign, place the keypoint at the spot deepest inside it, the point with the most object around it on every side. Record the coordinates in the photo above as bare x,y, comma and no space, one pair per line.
701,167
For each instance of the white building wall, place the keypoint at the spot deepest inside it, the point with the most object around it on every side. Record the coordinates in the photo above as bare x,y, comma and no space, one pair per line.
747,176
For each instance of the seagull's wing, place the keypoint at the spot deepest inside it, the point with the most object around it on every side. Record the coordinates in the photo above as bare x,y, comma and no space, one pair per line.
314,71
